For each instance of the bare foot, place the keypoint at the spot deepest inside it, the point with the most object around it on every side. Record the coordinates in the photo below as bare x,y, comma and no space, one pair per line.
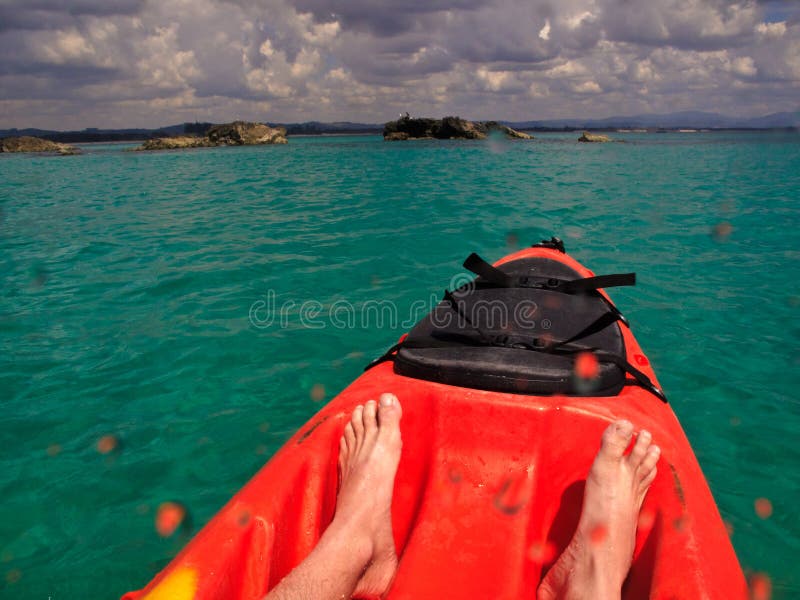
597,560
369,452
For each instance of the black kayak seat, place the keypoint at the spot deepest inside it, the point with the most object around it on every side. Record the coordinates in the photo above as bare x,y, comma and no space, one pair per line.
511,339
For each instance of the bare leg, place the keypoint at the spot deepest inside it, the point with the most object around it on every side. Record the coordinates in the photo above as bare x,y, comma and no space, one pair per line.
360,536
597,560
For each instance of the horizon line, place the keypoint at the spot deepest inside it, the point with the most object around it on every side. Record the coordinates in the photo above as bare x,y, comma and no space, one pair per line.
381,124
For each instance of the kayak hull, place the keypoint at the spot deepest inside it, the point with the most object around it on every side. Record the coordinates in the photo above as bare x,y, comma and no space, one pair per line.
487,495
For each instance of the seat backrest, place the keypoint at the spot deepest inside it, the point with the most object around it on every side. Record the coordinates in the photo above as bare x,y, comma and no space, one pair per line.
510,339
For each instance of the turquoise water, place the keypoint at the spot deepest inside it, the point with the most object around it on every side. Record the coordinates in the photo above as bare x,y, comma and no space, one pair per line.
128,281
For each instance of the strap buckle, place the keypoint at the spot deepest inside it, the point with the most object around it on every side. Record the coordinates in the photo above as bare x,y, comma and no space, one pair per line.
553,243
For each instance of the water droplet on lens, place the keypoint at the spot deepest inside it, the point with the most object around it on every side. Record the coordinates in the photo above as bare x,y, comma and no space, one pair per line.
586,365
13,576
598,534
107,444
763,508
318,392
170,517
542,552
760,586
721,231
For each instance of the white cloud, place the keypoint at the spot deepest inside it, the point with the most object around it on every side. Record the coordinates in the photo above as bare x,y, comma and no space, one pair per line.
576,20
774,30
322,34
570,68
266,49
642,70
587,87
308,62
63,48
743,66
538,90
544,32
164,64
495,81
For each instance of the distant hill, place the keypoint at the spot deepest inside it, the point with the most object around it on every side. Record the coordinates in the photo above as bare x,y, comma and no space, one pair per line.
678,120
93,135
317,127
121,135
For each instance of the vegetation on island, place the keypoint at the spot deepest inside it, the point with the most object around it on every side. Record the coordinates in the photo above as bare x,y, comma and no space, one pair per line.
238,133
448,128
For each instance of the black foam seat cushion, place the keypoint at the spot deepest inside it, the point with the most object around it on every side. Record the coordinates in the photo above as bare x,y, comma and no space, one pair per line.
493,339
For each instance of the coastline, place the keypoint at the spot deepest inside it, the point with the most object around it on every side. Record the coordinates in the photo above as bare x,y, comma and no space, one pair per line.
315,128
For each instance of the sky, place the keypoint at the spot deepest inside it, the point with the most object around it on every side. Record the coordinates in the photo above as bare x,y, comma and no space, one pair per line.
150,63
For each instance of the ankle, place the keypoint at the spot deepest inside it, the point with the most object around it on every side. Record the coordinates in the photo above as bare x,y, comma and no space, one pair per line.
602,572
349,539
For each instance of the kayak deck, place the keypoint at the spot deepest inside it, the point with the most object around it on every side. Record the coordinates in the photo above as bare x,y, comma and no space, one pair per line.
487,495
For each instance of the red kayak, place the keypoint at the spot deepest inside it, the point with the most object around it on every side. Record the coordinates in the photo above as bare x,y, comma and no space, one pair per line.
506,388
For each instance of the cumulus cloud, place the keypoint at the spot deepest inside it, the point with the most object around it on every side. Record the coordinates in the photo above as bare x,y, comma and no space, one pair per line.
138,63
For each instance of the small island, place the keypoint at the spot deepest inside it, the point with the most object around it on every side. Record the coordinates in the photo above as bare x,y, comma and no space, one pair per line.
27,143
594,138
238,133
448,128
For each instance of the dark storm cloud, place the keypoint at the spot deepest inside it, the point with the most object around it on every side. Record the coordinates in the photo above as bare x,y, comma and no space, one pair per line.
49,14
498,33
72,76
707,25
387,19
390,67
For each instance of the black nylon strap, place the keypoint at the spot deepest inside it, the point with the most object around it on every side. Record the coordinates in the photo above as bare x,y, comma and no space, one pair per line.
598,324
489,272
497,277
600,281
640,377
388,355
616,311
448,297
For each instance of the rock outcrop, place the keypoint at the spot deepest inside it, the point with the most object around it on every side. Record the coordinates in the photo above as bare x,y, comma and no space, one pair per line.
238,133
448,128
593,137
173,143
27,143
395,136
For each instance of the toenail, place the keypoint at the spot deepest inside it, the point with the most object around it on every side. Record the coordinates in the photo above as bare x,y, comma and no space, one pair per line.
387,399
625,426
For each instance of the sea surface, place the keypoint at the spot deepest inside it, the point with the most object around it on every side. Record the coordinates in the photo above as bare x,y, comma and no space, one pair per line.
136,289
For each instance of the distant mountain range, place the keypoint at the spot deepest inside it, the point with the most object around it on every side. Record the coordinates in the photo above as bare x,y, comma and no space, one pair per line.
678,120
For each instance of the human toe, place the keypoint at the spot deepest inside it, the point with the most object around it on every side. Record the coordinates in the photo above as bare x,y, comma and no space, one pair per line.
357,421
389,413
640,447
349,436
650,459
370,416
616,438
